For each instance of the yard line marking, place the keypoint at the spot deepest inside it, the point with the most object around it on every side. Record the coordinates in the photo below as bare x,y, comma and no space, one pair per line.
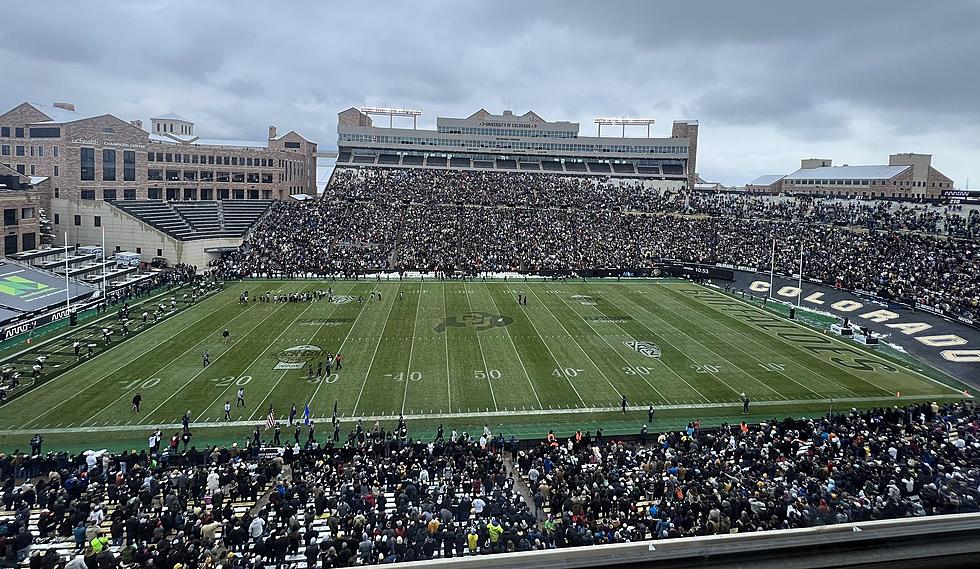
516,353
616,351
479,342
581,349
841,342
705,346
751,338
714,375
667,367
151,347
553,358
342,344
225,351
411,349
449,383
276,340
376,346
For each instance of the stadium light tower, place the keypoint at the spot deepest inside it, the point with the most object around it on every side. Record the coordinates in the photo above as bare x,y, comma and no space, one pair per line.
622,121
392,112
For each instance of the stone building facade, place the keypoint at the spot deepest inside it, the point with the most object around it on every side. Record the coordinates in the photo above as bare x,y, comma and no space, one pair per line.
106,158
23,200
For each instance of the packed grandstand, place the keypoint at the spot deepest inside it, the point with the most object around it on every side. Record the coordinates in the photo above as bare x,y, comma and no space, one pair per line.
471,222
382,497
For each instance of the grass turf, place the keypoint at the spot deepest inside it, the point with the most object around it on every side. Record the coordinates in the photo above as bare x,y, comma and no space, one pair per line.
460,354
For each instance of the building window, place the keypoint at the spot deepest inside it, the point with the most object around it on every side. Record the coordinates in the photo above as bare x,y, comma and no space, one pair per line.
153,193
27,213
159,252
9,217
56,190
129,194
46,132
98,221
109,165
78,220
87,164
32,169
139,250
129,166
253,178
238,177
5,131
173,176
19,150
40,150
155,175
108,194
19,132
57,219
88,194
55,151
5,149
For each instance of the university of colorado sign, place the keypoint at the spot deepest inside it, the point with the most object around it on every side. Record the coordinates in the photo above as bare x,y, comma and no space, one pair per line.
952,346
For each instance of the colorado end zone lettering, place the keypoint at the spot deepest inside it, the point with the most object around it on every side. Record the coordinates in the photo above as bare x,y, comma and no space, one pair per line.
885,317
843,356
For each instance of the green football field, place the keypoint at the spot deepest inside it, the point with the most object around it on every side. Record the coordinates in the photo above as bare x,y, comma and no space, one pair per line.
459,352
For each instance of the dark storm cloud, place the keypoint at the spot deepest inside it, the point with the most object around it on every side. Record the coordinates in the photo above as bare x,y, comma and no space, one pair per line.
771,82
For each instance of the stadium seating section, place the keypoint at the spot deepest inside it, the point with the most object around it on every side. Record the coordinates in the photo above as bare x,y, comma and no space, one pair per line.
192,220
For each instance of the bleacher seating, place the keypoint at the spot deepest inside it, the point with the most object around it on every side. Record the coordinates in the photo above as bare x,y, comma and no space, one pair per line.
599,167
575,167
364,159
412,160
191,220
507,164
439,161
551,166
388,159
460,162
343,157
623,169
648,169
672,169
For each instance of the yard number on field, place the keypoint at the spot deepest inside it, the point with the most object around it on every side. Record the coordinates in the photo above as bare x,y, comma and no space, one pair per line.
568,371
228,380
400,376
483,374
140,383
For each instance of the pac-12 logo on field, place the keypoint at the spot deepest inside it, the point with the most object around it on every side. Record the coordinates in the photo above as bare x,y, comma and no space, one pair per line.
342,299
297,356
646,348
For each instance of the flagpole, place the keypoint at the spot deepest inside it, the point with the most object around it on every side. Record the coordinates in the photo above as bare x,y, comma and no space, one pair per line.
799,297
67,293
105,290
772,265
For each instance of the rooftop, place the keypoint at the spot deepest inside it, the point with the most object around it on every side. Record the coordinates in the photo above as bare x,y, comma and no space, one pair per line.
874,172
766,180
59,115
170,117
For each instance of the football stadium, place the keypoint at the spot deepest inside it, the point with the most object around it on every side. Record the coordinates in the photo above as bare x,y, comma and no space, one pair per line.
490,339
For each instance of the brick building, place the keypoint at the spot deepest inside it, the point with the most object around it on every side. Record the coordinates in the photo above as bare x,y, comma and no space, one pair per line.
22,199
905,176
102,157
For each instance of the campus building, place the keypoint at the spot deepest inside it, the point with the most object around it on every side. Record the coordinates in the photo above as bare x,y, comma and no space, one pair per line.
509,142
905,176
23,199
164,191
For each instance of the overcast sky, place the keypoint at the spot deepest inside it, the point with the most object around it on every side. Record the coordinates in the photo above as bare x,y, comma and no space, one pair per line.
770,82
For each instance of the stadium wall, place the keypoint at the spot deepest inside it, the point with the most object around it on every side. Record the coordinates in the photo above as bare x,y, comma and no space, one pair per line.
124,232
937,542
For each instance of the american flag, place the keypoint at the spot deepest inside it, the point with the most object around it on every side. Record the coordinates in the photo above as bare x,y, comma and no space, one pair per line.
270,421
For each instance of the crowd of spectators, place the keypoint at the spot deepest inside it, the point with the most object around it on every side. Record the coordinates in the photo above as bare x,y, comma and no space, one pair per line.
495,222
877,464
382,497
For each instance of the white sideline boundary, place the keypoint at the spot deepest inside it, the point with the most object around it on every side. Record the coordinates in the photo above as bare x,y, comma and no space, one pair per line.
486,414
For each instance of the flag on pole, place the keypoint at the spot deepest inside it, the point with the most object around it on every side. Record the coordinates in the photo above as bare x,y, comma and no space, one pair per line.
270,421
306,415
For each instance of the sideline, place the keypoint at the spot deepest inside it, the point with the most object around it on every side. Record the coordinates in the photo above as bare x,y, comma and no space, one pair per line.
467,415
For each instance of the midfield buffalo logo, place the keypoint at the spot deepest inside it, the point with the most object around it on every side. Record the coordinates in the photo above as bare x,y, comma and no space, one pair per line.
342,299
479,320
297,356
646,348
